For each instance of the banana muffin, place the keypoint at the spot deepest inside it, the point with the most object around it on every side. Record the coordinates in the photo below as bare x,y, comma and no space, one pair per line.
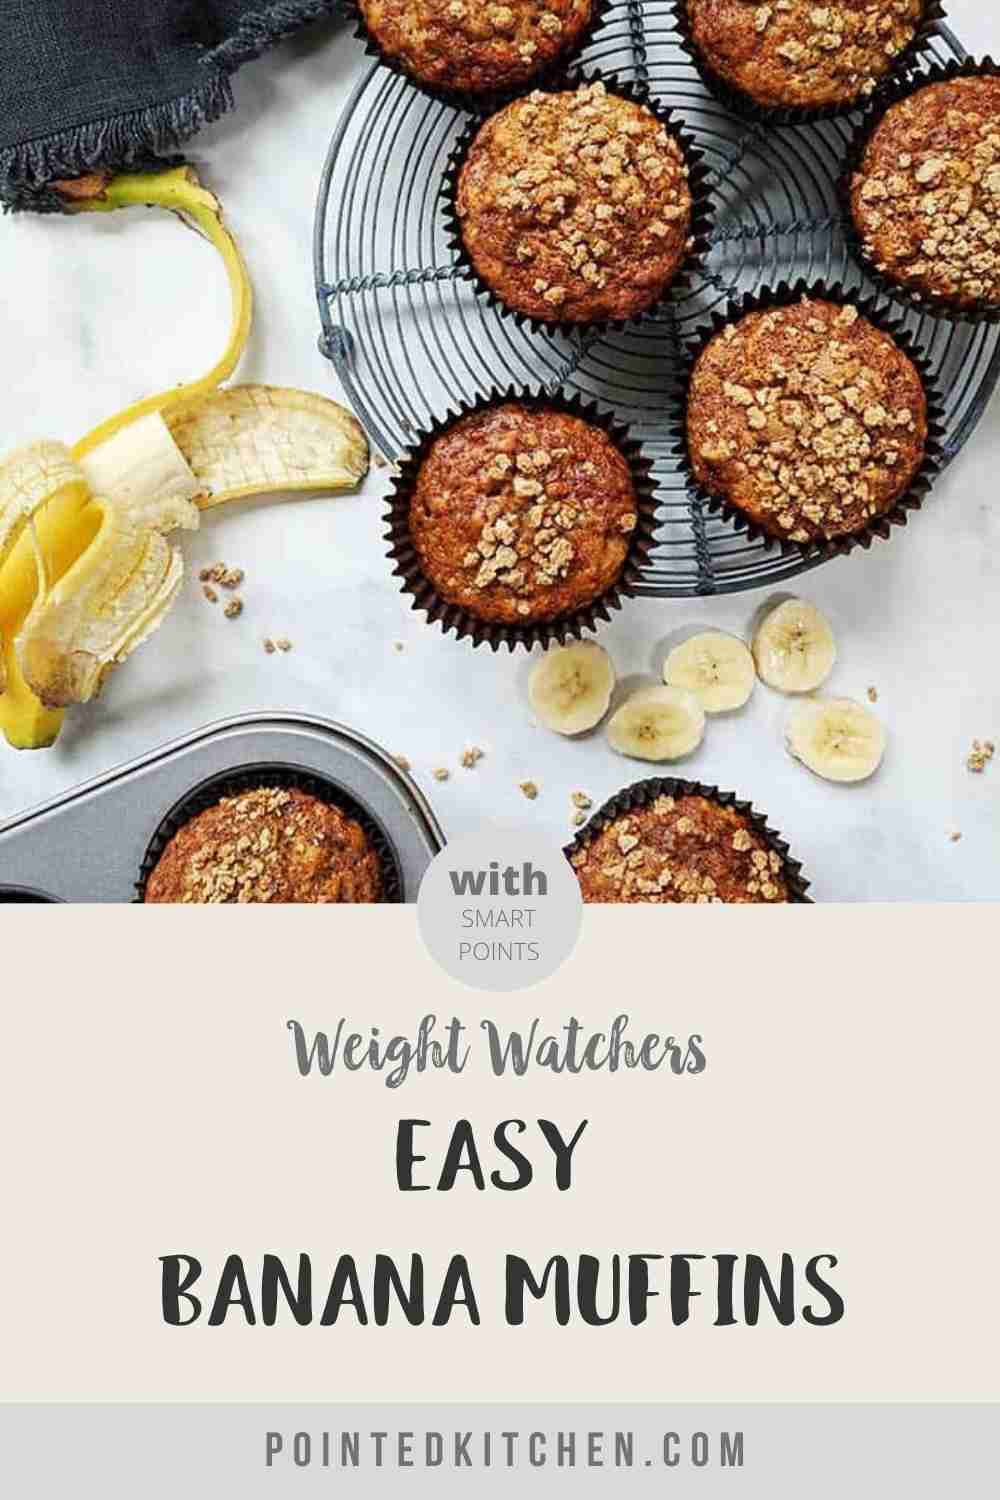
271,844
575,207
802,54
467,47
926,200
680,849
522,514
808,419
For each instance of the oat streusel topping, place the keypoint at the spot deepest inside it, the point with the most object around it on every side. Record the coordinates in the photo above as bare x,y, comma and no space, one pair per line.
522,514
476,46
808,419
803,54
267,845
576,206
684,849
927,198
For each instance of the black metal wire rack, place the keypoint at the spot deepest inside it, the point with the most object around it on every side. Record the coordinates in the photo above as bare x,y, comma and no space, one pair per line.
410,337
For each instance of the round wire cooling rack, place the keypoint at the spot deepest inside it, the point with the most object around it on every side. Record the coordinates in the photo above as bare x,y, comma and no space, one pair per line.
410,337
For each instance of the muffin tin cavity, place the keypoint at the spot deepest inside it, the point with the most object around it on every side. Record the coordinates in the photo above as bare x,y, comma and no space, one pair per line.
93,843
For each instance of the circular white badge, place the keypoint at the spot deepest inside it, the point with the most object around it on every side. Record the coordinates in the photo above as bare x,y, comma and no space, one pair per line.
500,911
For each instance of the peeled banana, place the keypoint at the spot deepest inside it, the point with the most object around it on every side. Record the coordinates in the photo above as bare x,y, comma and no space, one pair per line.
717,668
660,723
570,687
85,572
794,648
837,738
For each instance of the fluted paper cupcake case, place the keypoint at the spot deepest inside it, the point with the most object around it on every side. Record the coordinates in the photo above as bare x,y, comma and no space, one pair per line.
750,110
249,778
641,793
927,303
879,527
702,210
489,100
453,617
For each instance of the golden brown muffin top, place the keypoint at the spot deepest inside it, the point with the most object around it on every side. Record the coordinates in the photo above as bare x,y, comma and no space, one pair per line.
803,54
522,514
575,206
267,845
927,198
807,418
473,47
680,849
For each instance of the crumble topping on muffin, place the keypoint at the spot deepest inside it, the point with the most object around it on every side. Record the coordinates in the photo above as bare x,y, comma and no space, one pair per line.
680,849
522,514
926,201
808,419
267,845
803,54
575,207
472,47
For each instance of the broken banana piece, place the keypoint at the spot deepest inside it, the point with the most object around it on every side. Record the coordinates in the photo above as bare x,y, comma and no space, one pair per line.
259,439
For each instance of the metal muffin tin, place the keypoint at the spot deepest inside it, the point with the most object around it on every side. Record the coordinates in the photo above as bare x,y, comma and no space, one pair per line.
89,844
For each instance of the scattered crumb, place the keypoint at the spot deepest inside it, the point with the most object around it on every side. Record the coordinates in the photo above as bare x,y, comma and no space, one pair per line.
381,462
981,754
283,643
210,595
232,578
471,757
955,837
872,695
402,762
269,646
233,609
398,646
581,800
530,789
205,575
579,819
441,773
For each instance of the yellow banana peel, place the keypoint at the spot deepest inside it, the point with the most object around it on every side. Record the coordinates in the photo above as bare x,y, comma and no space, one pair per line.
86,574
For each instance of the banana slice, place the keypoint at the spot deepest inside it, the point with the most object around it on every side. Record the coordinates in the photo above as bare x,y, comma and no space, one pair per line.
660,723
837,738
571,686
717,668
794,648
251,439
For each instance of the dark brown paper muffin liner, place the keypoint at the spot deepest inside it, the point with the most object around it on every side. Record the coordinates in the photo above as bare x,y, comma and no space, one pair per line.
272,774
488,101
641,793
453,617
702,209
748,109
929,304
880,527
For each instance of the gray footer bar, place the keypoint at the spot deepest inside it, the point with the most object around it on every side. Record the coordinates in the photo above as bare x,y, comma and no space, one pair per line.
682,1450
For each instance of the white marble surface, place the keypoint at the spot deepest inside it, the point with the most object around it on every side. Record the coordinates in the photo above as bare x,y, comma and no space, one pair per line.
96,312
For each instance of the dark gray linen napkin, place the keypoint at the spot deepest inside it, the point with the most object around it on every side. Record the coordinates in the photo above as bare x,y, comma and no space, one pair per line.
91,84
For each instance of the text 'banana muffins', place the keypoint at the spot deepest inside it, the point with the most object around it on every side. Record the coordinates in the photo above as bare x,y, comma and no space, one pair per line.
272,844
802,54
522,514
471,47
808,419
926,201
680,850
575,207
